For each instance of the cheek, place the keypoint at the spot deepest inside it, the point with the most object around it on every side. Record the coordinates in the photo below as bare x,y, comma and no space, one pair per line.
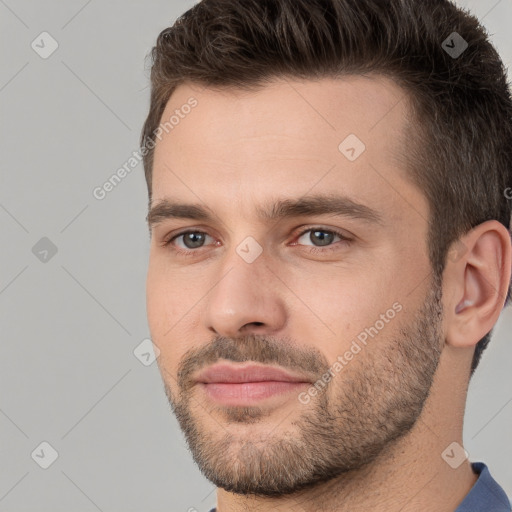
165,306
155,300
340,295
170,318
163,288
347,307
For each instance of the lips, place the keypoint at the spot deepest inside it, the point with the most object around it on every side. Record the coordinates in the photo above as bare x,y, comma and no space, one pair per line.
249,384
230,374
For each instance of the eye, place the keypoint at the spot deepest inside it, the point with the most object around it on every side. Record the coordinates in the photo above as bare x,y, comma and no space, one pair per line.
324,237
191,240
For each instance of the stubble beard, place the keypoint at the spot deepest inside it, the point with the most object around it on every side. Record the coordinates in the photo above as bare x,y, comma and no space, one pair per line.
374,401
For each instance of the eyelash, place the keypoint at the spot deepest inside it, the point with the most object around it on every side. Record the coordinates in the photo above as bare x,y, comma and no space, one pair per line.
312,249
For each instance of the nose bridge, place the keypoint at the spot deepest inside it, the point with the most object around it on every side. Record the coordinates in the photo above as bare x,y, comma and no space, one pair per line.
244,291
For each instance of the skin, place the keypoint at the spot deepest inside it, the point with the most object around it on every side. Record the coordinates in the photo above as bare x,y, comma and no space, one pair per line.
235,151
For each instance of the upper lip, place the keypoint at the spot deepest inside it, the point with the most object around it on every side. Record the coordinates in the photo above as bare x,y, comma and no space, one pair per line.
222,372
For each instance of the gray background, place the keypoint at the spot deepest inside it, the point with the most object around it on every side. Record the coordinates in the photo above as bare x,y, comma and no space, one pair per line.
70,323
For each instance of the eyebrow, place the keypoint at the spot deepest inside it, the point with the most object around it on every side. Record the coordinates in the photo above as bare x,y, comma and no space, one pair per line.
332,205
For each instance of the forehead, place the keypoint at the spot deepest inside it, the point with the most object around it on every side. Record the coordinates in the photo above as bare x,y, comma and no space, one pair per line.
307,110
289,136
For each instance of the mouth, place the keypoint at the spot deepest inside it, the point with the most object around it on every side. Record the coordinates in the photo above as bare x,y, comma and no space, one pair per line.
239,385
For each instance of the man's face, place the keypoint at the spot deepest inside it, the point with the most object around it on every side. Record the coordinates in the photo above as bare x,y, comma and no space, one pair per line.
344,301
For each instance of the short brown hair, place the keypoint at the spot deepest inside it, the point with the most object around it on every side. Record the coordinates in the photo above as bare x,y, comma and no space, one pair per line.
460,148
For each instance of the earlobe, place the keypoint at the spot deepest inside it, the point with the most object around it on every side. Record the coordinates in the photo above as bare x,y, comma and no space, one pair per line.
479,283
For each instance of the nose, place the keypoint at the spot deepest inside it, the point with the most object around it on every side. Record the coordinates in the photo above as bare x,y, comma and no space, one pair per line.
245,297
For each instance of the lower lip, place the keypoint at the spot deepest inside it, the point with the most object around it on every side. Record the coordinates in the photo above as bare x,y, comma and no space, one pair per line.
245,393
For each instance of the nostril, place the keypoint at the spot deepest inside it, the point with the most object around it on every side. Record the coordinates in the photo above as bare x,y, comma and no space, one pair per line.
253,324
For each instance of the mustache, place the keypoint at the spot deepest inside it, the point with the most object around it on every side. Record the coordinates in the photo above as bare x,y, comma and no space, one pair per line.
258,349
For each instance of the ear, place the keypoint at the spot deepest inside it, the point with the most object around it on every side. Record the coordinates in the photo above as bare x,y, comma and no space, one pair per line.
476,279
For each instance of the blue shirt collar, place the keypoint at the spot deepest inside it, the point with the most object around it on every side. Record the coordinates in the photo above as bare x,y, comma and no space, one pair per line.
486,495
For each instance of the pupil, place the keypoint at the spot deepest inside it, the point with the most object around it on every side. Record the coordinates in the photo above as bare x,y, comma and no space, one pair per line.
325,240
193,238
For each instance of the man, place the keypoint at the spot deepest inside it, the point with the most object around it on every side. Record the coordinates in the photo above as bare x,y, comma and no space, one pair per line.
330,247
